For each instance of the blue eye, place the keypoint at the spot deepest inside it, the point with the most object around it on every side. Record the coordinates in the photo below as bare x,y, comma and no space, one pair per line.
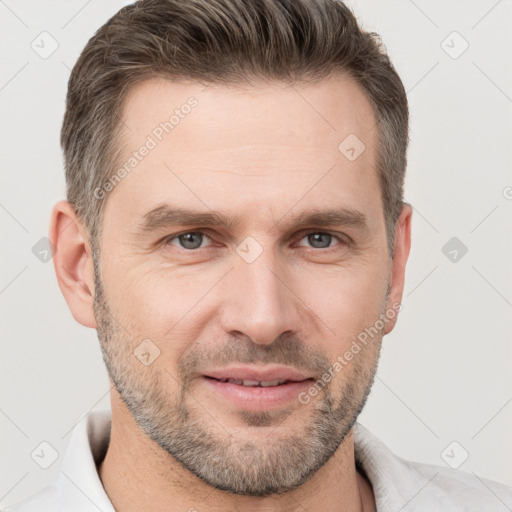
193,240
190,241
320,240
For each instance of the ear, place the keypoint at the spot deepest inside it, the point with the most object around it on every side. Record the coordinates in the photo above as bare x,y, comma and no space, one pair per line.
402,247
72,259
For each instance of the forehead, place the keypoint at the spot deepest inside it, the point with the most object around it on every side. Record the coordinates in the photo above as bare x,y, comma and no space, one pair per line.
261,143
320,114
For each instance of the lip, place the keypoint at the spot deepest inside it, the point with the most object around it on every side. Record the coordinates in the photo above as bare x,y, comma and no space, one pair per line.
267,373
255,398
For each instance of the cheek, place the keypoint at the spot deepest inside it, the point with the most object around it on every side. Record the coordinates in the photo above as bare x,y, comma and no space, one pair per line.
171,305
164,305
346,300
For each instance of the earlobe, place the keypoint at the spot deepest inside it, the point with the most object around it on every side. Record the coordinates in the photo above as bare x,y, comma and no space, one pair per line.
402,247
73,262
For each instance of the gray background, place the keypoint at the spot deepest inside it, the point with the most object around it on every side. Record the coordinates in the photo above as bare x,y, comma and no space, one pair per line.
445,372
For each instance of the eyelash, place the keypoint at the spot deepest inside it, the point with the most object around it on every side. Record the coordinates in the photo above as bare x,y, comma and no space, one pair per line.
342,241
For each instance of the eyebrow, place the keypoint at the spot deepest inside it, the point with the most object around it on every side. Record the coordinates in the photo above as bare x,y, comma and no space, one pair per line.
165,216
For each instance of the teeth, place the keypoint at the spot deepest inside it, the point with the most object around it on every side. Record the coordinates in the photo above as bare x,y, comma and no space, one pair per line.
251,382
247,382
271,383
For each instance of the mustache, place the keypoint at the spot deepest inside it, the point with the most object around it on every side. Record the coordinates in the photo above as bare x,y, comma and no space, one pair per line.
285,350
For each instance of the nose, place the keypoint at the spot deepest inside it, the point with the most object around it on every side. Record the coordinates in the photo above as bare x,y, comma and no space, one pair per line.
258,300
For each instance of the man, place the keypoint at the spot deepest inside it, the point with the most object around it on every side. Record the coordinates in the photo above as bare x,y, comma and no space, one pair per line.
235,231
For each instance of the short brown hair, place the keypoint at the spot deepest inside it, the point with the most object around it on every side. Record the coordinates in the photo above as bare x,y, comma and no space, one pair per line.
222,41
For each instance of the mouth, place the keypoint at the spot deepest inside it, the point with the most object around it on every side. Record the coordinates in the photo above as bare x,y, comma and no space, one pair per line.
256,383
255,389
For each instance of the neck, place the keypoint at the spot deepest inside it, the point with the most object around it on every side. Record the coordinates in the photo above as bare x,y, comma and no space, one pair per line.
146,476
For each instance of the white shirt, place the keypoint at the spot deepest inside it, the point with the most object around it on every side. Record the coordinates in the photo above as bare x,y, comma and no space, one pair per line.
398,484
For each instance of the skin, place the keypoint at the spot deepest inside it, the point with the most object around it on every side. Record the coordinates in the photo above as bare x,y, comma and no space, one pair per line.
261,153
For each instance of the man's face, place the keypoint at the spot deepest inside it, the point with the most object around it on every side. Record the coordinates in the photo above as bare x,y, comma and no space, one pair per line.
260,292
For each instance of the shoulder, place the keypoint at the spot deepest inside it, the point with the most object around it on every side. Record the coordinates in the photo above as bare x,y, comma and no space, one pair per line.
414,486
77,487
453,489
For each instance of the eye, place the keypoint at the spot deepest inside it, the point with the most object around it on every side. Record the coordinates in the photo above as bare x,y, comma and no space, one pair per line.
320,240
190,240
